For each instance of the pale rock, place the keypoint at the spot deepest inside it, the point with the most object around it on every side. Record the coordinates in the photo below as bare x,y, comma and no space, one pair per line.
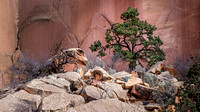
157,68
88,74
132,81
108,105
120,75
93,93
119,82
113,90
135,74
152,106
100,74
143,91
74,78
146,84
51,77
61,102
20,101
166,76
59,82
42,88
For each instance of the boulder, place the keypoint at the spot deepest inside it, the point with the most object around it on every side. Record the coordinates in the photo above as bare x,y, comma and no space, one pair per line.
10,90
70,60
143,91
88,74
95,82
120,75
108,105
119,82
74,78
40,87
135,74
152,106
157,68
93,93
132,99
114,90
166,76
20,101
132,81
59,82
61,102
100,74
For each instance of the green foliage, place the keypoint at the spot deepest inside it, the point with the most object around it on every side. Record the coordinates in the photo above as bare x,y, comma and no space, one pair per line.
133,39
189,94
165,94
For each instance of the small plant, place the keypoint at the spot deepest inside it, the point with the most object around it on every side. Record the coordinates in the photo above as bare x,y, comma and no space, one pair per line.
150,78
189,93
133,39
96,62
112,71
183,65
165,94
31,67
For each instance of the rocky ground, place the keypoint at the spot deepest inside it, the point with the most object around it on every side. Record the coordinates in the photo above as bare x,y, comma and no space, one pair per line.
93,90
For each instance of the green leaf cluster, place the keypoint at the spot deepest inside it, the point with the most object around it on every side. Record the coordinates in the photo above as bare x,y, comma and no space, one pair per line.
133,38
189,93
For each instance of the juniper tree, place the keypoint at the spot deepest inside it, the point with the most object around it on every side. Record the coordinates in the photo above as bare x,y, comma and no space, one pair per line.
133,39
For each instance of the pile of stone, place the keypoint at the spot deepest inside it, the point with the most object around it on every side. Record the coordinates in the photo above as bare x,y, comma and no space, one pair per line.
81,90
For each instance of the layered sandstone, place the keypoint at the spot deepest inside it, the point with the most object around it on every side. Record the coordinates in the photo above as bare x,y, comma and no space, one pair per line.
8,31
8,36
80,23
46,26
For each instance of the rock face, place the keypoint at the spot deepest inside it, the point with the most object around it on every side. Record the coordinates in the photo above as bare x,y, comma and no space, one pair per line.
93,93
143,91
114,90
43,88
8,31
157,68
73,77
70,60
61,102
45,27
20,102
175,20
69,92
107,105
8,37
100,74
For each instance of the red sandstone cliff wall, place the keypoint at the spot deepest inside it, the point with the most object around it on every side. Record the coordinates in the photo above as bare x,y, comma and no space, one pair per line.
8,31
43,27
47,25
85,21
178,23
8,36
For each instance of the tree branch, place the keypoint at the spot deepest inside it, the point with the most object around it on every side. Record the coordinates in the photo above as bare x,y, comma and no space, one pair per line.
127,46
